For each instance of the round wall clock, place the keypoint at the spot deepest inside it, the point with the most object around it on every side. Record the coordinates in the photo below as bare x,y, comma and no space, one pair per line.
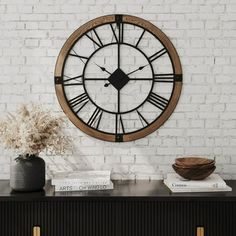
118,78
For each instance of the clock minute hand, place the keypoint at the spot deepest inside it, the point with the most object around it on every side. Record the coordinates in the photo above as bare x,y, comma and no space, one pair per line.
140,68
103,68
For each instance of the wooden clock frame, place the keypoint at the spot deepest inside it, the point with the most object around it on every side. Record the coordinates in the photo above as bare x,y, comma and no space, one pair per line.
177,70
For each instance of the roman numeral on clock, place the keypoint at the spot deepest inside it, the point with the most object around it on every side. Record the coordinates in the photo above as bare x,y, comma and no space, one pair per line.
119,36
70,81
96,40
142,119
95,119
158,101
157,54
120,27
79,101
167,78
82,58
164,78
119,128
140,38
119,124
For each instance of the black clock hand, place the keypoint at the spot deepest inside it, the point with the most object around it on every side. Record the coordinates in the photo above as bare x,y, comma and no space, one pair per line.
140,68
103,68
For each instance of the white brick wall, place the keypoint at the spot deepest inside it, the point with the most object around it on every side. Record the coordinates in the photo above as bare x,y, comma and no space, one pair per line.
204,122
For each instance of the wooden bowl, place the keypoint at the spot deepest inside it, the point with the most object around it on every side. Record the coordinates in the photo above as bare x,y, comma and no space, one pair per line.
193,161
196,166
196,173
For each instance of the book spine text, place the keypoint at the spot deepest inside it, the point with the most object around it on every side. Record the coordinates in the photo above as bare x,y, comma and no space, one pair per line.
67,188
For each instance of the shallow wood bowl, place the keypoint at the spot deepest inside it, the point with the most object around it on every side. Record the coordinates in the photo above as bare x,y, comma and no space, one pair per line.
196,166
193,161
193,173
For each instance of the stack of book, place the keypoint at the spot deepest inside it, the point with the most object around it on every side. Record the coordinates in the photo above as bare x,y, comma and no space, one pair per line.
82,181
213,183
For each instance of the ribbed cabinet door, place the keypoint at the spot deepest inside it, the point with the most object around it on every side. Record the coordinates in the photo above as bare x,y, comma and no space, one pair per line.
155,218
58,218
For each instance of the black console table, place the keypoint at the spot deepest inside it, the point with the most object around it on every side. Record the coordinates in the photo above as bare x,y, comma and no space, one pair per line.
139,208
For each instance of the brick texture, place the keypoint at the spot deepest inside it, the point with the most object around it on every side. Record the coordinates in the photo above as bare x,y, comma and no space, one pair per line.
32,33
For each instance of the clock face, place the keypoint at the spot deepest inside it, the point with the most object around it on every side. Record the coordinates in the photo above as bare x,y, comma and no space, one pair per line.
118,78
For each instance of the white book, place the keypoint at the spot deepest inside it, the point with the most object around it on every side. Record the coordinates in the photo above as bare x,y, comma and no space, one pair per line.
198,190
71,188
76,182
213,181
81,177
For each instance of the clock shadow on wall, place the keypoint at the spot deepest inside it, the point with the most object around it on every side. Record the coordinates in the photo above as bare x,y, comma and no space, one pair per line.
118,78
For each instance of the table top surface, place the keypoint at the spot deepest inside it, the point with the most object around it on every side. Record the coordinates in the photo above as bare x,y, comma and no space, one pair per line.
135,190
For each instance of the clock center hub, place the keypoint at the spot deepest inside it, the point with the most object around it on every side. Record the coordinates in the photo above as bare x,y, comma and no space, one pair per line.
118,79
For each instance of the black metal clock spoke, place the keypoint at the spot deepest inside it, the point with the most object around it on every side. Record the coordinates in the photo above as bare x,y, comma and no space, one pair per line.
73,84
140,68
118,45
141,79
95,79
118,101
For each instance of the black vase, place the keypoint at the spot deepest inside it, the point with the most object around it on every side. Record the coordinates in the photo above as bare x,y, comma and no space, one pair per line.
27,174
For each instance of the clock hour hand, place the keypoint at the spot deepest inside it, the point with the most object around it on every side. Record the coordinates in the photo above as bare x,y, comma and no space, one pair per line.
140,68
103,68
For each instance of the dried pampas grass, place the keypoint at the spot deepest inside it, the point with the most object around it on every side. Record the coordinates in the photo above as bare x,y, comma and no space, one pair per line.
31,131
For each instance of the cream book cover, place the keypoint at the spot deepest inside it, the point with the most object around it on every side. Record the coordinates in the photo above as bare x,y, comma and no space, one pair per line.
213,181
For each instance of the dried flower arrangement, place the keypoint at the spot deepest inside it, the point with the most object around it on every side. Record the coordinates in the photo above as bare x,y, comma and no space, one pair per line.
31,131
